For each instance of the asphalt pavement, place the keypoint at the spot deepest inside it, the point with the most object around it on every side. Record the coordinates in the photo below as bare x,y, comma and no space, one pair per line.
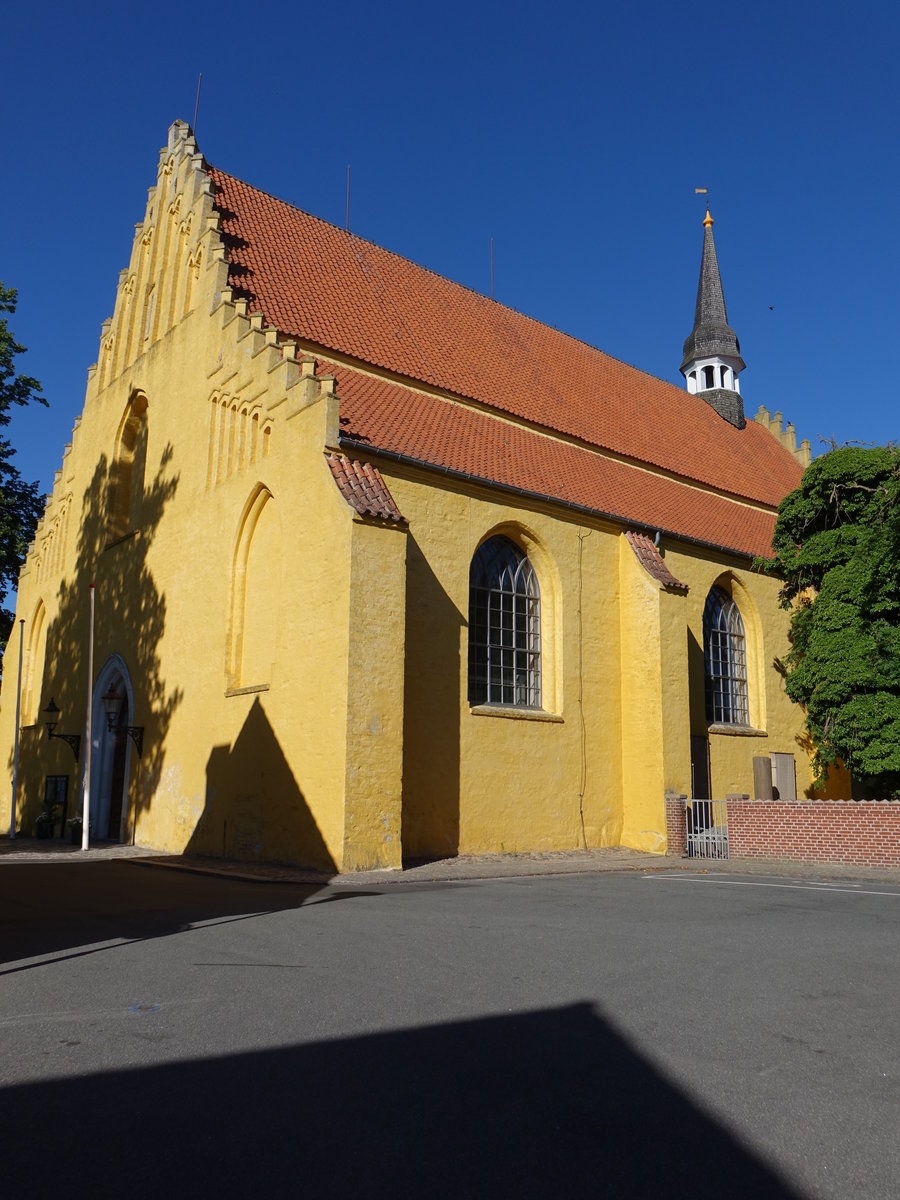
624,1032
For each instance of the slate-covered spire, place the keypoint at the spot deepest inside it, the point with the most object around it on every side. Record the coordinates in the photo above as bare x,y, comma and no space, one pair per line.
712,353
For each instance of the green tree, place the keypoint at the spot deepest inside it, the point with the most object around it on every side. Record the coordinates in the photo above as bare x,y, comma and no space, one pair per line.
21,503
837,551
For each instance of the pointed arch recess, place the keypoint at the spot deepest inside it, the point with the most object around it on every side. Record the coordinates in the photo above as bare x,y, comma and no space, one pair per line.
126,482
34,664
255,576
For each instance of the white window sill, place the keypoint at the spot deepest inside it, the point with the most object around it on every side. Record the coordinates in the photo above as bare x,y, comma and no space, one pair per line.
246,691
516,714
736,731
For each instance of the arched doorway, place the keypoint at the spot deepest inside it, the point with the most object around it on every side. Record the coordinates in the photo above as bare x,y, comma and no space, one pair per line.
111,753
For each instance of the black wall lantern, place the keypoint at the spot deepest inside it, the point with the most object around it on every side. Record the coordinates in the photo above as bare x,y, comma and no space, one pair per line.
111,702
72,740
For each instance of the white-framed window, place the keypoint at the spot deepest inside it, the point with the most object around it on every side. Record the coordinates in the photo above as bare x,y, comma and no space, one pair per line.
504,627
725,661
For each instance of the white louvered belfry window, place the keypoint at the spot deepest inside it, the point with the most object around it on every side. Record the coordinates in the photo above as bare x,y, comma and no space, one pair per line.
725,661
504,627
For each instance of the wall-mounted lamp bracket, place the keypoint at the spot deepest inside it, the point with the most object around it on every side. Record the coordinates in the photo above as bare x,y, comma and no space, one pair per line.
51,717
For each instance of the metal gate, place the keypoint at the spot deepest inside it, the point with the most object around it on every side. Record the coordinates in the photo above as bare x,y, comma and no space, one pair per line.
706,827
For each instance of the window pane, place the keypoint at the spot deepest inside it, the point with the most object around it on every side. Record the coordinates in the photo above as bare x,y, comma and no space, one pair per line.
504,627
725,660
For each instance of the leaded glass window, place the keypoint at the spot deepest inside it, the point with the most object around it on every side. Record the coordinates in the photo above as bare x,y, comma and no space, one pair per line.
725,660
504,627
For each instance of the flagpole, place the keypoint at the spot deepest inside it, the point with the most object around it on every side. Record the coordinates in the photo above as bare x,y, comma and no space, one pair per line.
15,778
86,786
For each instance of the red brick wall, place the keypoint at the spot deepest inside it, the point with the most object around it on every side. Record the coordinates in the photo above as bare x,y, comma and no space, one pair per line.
863,834
676,837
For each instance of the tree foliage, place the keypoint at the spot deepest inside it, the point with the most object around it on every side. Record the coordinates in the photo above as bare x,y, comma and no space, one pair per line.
21,503
837,551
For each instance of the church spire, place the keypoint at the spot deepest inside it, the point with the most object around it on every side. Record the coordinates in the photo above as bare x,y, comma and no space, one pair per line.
712,354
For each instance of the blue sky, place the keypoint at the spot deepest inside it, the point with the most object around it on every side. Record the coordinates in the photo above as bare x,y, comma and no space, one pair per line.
572,135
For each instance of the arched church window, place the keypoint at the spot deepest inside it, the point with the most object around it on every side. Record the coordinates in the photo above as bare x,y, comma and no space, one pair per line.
709,377
725,660
504,627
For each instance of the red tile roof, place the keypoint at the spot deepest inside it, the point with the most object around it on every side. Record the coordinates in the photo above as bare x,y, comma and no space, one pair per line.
336,292
394,419
363,488
652,561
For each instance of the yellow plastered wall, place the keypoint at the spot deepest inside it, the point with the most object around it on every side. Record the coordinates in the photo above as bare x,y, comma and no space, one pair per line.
777,724
479,779
301,674
248,761
375,701
654,699
593,767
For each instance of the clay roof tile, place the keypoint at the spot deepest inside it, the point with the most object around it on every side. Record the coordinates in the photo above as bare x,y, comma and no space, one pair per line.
363,488
652,561
620,440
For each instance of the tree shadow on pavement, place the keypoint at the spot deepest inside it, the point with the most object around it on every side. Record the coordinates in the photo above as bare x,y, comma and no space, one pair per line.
546,1103
62,908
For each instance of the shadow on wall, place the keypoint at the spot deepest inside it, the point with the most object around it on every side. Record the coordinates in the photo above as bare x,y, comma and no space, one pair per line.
839,785
430,814
700,781
254,808
130,618
548,1103
696,686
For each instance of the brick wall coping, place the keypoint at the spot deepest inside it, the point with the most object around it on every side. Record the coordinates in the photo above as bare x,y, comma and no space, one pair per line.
791,803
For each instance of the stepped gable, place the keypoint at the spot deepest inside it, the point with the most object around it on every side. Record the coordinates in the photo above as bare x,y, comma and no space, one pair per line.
378,416
337,292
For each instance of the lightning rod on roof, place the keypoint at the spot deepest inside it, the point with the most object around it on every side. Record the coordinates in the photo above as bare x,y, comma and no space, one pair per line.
492,268
197,103
348,197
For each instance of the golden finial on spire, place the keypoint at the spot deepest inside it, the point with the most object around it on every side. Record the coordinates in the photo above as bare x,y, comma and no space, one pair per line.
704,191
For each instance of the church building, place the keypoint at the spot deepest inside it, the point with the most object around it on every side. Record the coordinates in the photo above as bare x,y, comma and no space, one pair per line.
382,569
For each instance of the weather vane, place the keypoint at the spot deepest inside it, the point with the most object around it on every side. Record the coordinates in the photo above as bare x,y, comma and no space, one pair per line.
704,191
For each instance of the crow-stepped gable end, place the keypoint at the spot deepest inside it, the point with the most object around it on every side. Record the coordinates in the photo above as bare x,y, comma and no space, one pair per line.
712,353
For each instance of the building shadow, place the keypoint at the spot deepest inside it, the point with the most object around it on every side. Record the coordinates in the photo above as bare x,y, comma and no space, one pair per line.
431,700
546,1103
254,807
